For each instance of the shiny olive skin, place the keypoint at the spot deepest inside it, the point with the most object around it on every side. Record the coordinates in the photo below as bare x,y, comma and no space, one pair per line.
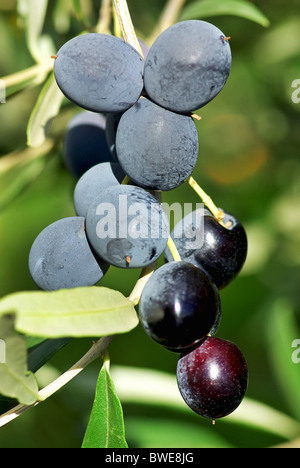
179,306
223,251
213,378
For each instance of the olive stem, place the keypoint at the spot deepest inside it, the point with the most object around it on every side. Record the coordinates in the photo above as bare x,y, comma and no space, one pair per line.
196,117
126,25
126,180
218,214
147,272
42,69
174,250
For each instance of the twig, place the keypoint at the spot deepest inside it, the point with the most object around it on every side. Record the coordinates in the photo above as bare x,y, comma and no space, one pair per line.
25,155
127,28
117,26
25,75
97,350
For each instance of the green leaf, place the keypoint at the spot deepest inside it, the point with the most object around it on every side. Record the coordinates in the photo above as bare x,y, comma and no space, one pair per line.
77,8
33,341
34,13
207,8
40,353
82,13
80,312
21,178
15,380
27,78
281,333
62,15
106,425
47,107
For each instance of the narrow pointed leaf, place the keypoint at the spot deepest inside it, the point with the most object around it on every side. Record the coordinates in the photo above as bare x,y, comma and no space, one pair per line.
47,107
39,354
34,13
15,380
77,8
106,424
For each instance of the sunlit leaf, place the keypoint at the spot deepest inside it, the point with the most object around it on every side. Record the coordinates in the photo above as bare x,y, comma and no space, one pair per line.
80,312
27,78
106,426
15,380
34,12
46,108
207,8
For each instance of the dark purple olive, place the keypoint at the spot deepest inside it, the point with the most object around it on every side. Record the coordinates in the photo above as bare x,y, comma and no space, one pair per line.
213,378
223,250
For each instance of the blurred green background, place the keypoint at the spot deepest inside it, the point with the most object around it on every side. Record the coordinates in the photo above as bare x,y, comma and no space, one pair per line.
248,163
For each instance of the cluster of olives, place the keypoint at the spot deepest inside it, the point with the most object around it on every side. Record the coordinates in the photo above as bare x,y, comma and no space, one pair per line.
137,139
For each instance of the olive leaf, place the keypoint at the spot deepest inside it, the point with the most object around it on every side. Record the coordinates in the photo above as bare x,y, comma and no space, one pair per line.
80,312
19,179
77,8
106,425
15,380
34,14
47,107
241,8
41,352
